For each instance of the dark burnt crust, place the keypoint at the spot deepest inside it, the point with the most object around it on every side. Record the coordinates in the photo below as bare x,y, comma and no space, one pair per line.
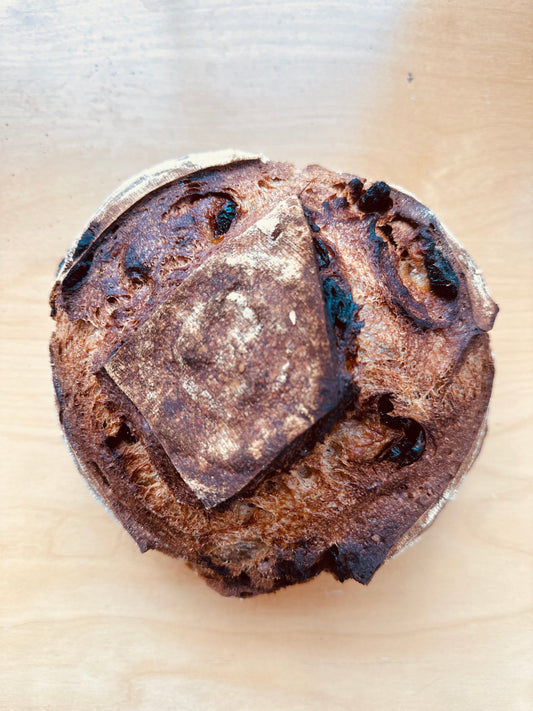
381,500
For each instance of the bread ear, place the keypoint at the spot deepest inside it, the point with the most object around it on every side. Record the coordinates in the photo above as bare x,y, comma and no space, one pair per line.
484,309
139,185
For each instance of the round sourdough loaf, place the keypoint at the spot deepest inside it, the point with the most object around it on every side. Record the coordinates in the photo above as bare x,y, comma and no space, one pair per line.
270,372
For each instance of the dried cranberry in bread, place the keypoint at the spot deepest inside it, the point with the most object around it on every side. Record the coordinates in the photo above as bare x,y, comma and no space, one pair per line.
270,372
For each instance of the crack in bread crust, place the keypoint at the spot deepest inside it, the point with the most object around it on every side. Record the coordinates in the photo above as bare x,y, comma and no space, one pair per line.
339,506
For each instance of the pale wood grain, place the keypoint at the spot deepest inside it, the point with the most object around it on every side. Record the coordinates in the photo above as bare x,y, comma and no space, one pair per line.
433,96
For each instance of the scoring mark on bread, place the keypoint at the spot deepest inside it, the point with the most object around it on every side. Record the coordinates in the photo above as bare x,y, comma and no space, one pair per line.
420,280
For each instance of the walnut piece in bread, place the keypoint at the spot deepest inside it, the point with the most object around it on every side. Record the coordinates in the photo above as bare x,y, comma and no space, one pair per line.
270,372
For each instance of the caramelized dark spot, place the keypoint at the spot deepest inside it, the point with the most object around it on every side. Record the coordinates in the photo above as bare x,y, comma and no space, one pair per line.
339,303
387,231
348,559
355,186
311,220
225,217
322,253
295,569
443,281
376,198
410,443
409,447
378,242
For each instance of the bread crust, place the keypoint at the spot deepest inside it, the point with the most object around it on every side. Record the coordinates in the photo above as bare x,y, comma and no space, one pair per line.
407,314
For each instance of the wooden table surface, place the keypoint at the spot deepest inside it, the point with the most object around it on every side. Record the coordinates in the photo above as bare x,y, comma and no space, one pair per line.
434,96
